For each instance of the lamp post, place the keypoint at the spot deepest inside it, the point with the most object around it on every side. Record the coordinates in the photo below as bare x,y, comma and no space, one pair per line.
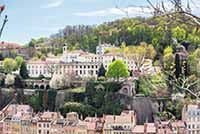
2,8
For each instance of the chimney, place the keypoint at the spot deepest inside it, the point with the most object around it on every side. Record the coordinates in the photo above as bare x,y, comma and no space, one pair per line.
145,128
157,126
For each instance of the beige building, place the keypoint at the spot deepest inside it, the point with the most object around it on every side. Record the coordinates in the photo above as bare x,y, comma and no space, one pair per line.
191,115
44,121
119,124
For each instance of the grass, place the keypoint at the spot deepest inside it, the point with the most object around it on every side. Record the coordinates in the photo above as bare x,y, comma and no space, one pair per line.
77,90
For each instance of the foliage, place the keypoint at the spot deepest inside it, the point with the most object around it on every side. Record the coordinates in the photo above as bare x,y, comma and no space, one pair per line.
179,33
60,81
140,53
34,102
80,108
10,79
77,90
23,71
102,71
153,85
19,61
9,65
101,95
117,69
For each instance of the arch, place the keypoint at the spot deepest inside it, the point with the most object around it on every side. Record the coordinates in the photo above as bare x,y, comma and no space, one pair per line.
36,86
125,90
42,86
47,87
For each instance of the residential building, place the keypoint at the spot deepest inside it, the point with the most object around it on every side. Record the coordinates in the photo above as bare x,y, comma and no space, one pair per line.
50,68
101,48
191,115
44,121
147,128
119,124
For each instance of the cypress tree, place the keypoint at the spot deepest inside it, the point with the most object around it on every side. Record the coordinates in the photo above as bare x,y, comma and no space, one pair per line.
23,71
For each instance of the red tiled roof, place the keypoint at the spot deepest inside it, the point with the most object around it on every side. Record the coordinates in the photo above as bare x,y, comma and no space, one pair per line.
8,45
140,128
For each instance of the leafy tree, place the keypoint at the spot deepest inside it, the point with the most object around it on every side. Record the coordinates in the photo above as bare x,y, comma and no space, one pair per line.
23,71
140,53
168,59
141,33
117,69
179,33
34,102
10,79
32,43
44,50
193,61
9,65
102,71
19,61
61,81
80,108
153,85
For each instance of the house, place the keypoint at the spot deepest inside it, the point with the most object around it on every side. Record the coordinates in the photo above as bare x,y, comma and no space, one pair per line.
191,115
115,124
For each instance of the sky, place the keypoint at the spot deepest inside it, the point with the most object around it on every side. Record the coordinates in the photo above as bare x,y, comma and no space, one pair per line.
41,18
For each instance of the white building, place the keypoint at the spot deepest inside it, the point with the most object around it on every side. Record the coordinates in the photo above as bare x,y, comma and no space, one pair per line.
48,69
100,49
83,64
191,115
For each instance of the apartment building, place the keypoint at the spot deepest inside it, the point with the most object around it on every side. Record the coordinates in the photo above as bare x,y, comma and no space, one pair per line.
119,124
44,121
191,115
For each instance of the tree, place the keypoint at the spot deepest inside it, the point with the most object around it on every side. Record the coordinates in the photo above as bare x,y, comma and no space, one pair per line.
179,34
80,108
56,82
9,65
178,67
19,61
117,69
34,102
102,71
23,71
61,81
140,54
10,79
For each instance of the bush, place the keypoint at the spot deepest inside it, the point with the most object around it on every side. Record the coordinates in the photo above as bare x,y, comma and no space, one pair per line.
80,108
101,78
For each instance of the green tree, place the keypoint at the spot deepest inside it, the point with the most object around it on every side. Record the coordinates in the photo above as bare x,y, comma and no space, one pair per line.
117,69
80,108
9,65
179,33
34,102
23,71
102,71
19,61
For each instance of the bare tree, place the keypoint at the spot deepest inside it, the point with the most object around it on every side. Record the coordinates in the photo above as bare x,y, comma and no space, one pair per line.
2,7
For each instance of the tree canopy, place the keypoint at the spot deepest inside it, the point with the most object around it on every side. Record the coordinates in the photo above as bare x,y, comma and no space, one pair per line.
117,69
9,65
